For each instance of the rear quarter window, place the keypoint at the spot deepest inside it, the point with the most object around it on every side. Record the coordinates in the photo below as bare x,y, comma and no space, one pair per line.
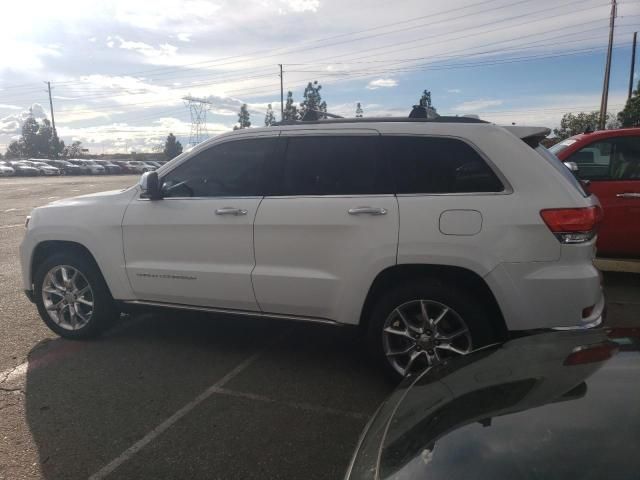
437,165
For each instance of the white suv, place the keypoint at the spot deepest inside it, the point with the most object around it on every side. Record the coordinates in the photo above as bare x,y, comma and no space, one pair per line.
437,237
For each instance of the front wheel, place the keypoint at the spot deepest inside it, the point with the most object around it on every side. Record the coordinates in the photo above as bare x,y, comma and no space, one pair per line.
72,297
418,325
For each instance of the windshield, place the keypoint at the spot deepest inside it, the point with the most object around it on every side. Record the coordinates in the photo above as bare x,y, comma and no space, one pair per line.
563,145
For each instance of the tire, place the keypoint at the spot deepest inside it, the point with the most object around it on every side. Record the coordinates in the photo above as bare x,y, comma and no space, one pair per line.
103,312
430,343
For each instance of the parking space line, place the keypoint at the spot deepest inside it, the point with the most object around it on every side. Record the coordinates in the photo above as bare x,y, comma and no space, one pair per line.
14,373
297,405
160,429
12,226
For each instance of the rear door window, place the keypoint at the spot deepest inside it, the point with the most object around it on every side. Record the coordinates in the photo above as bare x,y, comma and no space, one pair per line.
436,165
333,165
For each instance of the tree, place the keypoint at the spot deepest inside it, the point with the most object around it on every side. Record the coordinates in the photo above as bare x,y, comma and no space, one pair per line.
425,100
572,124
312,99
630,115
359,111
269,118
290,110
29,137
37,140
14,150
74,150
244,119
172,147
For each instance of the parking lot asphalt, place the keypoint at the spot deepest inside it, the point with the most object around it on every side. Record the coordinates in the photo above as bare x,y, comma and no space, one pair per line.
177,395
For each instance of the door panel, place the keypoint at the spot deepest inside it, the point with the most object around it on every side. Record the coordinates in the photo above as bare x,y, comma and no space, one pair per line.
195,246
612,166
328,226
181,251
315,259
619,233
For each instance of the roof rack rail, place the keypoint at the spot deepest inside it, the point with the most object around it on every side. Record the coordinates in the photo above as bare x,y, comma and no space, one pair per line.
440,119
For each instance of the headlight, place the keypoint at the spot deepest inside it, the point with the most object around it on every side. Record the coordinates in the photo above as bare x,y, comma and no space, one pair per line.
26,221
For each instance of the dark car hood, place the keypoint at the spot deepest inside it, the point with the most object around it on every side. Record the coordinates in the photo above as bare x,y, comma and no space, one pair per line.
514,411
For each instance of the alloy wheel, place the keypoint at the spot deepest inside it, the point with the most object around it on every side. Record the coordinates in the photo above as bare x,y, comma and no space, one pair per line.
421,333
67,297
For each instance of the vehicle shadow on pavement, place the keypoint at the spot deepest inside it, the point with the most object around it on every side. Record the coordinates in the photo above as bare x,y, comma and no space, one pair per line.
296,411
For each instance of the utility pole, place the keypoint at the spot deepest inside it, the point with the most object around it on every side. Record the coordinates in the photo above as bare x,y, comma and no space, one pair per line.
281,94
607,70
633,64
53,120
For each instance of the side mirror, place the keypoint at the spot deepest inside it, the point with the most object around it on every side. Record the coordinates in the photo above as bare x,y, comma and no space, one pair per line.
572,166
150,186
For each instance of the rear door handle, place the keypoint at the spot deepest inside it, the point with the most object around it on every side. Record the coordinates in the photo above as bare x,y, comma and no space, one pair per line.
628,195
231,211
367,211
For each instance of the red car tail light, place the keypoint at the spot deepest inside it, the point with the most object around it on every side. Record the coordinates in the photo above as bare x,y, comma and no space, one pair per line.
573,225
592,353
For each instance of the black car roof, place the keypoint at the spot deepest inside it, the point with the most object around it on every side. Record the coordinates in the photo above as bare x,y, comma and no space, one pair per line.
491,415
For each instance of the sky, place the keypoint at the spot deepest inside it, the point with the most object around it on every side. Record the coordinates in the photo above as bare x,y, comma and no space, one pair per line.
119,69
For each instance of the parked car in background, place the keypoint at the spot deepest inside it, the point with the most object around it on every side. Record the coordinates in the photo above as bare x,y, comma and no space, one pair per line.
22,168
153,163
609,162
6,170
89,166
126,168
141,167
80,164
109,167
559,405
436,237
66,168
43,168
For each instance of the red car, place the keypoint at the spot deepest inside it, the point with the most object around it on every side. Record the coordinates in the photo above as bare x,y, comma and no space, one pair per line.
609,162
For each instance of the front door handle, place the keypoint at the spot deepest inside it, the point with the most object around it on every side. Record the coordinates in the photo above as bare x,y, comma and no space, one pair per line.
231,211
628,195
367,211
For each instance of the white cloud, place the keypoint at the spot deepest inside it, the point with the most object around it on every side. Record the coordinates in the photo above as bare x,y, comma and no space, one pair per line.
475,105
184,37
302,5
382,83
10,107
12,124
454,90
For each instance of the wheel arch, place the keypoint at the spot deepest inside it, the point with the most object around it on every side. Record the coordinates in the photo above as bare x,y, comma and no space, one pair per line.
463,277
46,248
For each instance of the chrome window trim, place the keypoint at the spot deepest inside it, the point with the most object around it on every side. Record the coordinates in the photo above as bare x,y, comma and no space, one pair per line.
372,195
257,197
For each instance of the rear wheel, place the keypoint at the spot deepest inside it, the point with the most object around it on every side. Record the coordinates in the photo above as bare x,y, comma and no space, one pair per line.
72,297
418,325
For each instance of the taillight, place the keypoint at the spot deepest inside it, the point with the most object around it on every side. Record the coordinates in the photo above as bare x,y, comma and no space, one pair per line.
592,353
573,225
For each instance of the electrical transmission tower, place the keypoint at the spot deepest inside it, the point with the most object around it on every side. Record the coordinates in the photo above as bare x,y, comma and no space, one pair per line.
198,108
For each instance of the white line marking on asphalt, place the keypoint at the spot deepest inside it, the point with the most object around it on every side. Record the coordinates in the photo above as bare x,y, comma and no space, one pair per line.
14,373
297,405
160,429
12,226
10,210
